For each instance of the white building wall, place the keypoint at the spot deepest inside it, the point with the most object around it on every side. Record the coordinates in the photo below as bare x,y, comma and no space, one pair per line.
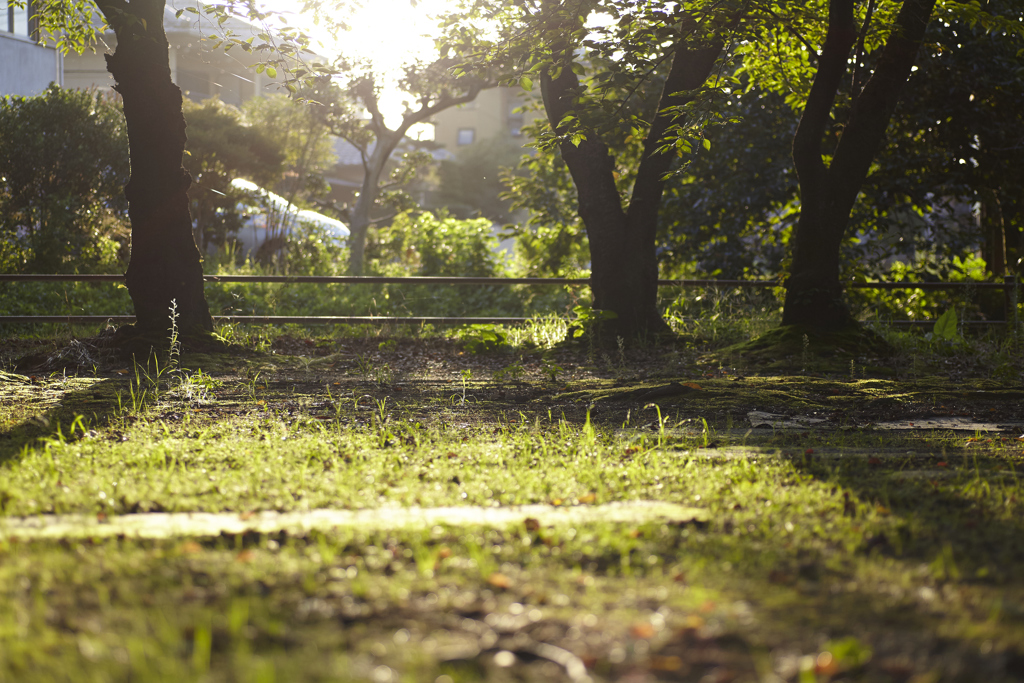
27,69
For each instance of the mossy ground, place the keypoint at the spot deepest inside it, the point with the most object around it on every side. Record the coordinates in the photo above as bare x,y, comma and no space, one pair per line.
840,553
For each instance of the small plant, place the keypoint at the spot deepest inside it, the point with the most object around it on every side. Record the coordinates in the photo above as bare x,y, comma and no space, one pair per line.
513,372
478,338
551,369
587,319
383,374
364,364
945,327
252,383
805,355
174,347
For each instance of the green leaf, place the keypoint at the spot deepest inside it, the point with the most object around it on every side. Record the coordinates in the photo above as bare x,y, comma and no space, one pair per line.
707,144
526,82
272,72
945,326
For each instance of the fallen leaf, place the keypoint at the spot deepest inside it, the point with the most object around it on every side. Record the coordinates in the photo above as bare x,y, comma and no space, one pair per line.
642,630
248,514
587,499
444,553
245,556
942,464
532,524
499,580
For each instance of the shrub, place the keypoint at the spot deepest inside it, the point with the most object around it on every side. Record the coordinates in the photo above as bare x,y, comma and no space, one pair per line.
63,166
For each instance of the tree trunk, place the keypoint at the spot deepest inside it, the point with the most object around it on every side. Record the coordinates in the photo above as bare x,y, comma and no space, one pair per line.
359,218
623,259
165,264
993,228
827,193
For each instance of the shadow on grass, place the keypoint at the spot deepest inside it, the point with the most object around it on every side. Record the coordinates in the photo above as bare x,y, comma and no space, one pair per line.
76,412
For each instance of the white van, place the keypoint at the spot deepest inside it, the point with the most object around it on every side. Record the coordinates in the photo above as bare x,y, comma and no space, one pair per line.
270,216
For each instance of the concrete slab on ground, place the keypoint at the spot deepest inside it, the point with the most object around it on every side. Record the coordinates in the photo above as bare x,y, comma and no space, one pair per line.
173,524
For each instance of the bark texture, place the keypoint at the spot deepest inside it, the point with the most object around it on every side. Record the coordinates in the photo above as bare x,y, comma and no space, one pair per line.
624,266
814,295
165,264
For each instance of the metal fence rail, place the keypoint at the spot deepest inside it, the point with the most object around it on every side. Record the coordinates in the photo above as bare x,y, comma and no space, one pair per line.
1006,285
1009,286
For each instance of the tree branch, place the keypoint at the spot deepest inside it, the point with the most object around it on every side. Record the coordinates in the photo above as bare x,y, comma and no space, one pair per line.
872,110
690,69
832,64
444,102
859,54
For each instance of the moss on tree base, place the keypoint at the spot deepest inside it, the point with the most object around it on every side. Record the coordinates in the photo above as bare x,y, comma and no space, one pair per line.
804,348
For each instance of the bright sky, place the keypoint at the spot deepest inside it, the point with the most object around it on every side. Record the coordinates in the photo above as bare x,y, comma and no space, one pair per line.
387,33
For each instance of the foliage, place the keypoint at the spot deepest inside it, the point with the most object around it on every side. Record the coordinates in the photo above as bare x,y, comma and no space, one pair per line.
481,338
729,212
429,244
63,164
954,145
552,240
220,148
299,127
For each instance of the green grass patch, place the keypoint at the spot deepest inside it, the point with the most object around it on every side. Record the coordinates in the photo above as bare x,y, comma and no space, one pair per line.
840,553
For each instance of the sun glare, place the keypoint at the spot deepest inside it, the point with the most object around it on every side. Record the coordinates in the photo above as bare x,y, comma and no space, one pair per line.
383,33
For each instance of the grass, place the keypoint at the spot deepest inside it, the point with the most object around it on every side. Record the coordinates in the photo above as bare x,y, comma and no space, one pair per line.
843,553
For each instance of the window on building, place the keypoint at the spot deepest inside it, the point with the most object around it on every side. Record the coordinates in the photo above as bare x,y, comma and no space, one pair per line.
515,124
18,19
465,136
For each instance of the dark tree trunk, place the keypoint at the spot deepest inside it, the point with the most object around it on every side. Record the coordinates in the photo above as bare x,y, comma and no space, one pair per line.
993,228
165,263
827,193
623,258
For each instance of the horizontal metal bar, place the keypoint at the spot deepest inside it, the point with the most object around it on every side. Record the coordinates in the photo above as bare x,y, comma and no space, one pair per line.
437,280
367,320
321,279
277,319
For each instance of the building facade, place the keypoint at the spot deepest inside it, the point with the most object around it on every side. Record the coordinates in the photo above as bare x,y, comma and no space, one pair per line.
26,67
200,71
495,113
